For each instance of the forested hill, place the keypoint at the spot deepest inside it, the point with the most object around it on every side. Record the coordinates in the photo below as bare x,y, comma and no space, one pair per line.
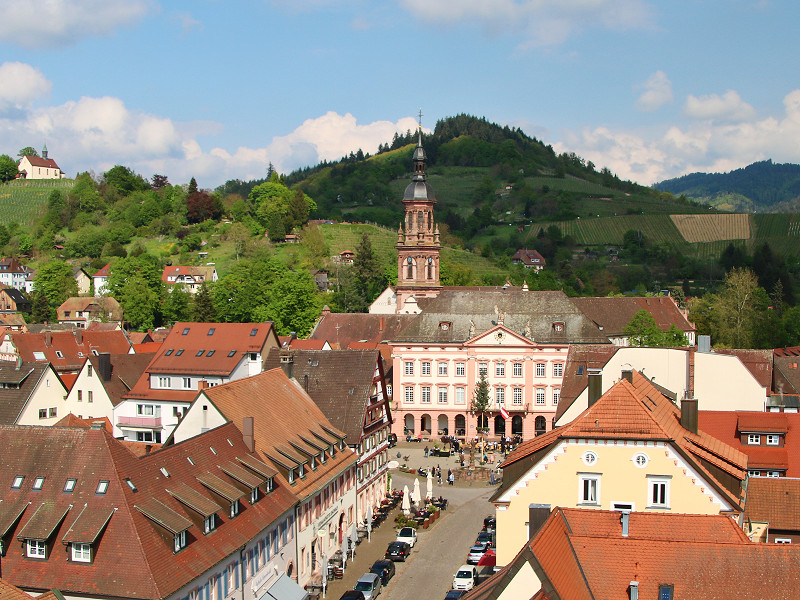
761,187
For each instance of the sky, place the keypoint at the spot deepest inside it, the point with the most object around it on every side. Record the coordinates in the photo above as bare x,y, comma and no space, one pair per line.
217,89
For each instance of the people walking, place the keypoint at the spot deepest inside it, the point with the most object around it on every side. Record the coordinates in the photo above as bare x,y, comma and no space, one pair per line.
451,478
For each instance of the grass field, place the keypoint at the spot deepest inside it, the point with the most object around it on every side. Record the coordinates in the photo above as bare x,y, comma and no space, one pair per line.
22,201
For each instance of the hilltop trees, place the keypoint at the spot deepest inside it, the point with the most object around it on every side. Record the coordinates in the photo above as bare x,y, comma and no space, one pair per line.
8,168
278,208
55,282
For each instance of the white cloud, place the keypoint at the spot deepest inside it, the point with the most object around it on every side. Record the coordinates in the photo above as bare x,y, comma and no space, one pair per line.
541,22
657,92
728,107
53,23
20,85
706,146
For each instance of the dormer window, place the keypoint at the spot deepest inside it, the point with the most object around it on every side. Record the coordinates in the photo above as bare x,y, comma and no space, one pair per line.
291,476
81,552
773,440
17,483
269,485
180,541
209,523
36,549
754,439
253,495
234,508
313,463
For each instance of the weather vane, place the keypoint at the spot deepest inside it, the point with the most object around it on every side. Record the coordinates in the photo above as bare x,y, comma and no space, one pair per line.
420,118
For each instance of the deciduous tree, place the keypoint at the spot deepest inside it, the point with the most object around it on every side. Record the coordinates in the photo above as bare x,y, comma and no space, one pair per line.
8,168
54,281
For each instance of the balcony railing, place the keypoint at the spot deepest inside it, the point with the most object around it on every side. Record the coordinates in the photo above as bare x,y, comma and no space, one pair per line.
124,421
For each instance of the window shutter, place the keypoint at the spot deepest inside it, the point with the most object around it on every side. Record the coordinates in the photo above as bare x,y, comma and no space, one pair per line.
236,575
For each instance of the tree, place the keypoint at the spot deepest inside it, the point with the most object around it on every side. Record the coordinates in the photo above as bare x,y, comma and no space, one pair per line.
736,309
294,304
315,246
201,206
481,401
643,330
368,278
8,168
40,308
177,305
140,303
203,310
27,151
158,181
54,280
124,180
145,269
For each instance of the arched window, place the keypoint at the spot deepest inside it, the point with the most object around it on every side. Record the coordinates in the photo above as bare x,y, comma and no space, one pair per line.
430,267
540,425
429,221
516,425
420,221
410,264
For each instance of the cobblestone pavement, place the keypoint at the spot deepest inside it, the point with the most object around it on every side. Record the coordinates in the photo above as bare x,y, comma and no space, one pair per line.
440,550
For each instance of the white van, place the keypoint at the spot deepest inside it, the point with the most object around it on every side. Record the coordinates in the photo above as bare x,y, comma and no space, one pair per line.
465,578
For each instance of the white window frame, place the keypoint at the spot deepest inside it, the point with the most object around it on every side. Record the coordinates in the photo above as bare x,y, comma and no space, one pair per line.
425,368
461,369
461,395
81,552
558,369
753,439
408,367
773,440
516,397
500,396
36,548
541,369
180,541
778,540
164,382
425,394
209,523
408,394
541,396
442,395
483,369
516,369
441,368
234,508
589,489
658,491
556,396
500,369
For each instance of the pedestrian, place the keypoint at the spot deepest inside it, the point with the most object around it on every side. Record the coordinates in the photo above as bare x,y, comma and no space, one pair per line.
426,452
439,477
450,478
438,471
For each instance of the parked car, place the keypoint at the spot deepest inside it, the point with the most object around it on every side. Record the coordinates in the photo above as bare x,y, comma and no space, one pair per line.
454,594
485,537
489,523
476,553
408,535
352,595
369,584
465,578
384,568
398,551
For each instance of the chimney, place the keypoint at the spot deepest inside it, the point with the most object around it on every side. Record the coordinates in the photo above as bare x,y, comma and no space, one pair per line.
704,343
326,310
104,366
148,448
689,414
48,338
624,519
202,385
627,375
247,434
19,363
537,515
634,590
79,336
690,374
380,323
98,424
595,385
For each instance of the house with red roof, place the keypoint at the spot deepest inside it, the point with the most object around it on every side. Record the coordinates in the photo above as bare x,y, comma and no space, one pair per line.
66,350
633,449
100,280
13,273
357,405
206,518
530,259
310,455
772,513
192,356
82,310
192,278
31,393
39,167
580,554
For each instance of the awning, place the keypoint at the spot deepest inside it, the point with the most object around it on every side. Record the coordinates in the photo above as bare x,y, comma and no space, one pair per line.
242,475
10,513
43,522
194,499
230,492
259,466
284,588
88,525
163,515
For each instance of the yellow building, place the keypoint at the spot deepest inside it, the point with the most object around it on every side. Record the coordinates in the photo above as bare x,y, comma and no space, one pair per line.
632,450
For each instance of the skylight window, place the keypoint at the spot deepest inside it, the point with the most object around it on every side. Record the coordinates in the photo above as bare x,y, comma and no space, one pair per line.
102,487
169,352
253,332
69,486
191,462
164,472
59,354
38,483
17,483
231,353
38,355
179,352
130,484
211,331
185,331
211,353
201,352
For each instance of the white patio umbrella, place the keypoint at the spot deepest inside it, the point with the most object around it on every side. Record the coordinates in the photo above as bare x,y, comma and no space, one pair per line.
353,541
406,500
324,573
429,485
417,495
369,523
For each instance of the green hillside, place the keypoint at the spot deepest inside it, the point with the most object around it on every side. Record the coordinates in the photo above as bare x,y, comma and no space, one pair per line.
23,201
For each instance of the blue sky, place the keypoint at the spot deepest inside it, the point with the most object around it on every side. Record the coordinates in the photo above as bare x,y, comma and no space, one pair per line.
217,90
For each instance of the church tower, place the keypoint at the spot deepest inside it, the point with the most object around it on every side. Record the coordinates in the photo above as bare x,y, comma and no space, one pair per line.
418,238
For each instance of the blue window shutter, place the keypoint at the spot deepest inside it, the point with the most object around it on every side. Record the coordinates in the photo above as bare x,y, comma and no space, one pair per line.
207,591
225,584
236,575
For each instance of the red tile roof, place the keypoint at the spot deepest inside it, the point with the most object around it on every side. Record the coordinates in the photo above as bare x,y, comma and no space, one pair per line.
72,421
638,411
726,426
68,379
74,346
133,556
38,161
614,313
104,272
774,500
581,554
